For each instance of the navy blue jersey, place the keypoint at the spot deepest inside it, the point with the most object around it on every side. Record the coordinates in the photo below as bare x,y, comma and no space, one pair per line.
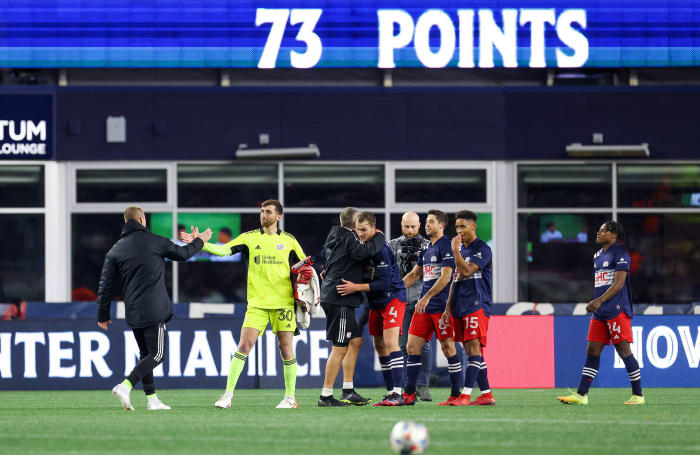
474,292
605,264
433,258
385,279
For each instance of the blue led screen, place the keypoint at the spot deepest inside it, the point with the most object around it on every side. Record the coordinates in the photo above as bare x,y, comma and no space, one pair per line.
349,34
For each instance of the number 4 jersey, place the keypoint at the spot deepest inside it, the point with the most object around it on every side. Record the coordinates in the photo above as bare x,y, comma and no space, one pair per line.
605,264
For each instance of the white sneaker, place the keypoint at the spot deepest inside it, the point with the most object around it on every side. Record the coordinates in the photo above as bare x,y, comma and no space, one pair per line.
288,402
154,404
122,392
225,401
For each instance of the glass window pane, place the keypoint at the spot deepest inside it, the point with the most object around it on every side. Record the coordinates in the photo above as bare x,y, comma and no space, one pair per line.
555,256
658,185
22,258
311,229
665,256
333,185
483,226
441,185
21,186
93,236
565,185
226,185
122,185
208,278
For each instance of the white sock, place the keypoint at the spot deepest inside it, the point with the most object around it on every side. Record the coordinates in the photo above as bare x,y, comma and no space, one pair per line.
347,385
484,392
396,390
467,390
326,392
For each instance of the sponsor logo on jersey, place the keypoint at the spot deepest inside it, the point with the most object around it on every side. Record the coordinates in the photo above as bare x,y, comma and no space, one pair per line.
603,277
478,254
280,246
431,272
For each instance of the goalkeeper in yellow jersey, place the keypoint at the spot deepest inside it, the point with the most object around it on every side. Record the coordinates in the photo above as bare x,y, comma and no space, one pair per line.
270,252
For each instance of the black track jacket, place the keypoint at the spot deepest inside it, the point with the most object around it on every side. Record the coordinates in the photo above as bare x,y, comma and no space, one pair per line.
137,261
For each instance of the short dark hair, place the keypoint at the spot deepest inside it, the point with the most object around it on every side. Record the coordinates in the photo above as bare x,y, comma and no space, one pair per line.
615,228
276,203
465,215
347,217
440,216
550,224
133,213
368,217
226,230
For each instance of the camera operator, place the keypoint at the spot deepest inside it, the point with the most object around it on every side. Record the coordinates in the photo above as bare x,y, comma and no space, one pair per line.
406,249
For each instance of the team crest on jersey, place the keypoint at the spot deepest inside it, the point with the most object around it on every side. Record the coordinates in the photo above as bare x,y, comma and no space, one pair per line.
280,246
433,259
605,264
256,259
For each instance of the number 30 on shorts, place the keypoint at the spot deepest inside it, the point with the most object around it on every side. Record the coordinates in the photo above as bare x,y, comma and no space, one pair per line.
285,314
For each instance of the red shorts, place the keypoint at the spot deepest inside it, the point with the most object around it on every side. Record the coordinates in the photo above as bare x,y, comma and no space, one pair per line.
387,318
471,327
617,329
424,324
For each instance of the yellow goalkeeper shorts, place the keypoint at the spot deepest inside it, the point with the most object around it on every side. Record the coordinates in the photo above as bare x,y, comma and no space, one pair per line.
282,320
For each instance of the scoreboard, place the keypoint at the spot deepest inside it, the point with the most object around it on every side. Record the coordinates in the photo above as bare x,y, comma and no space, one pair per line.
349,33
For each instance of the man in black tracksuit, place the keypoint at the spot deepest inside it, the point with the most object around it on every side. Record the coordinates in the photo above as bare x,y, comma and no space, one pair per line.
136,261
345,260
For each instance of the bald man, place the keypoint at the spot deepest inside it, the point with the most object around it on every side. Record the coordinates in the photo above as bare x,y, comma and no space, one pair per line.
406,250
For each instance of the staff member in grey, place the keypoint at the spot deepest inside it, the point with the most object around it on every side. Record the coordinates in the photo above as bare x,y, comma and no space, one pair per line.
136,261
406,250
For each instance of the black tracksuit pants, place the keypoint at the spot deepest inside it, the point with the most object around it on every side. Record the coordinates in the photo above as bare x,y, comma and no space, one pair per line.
152,345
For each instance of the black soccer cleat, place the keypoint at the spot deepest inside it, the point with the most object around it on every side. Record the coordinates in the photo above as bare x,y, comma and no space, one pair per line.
354,398
330,402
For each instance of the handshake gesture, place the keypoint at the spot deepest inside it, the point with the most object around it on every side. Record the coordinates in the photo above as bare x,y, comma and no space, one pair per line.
190,236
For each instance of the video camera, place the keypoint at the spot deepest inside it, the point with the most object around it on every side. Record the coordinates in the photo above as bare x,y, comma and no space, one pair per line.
407,254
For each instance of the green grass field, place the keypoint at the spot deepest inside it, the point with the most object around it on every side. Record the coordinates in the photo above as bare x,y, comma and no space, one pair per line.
523,421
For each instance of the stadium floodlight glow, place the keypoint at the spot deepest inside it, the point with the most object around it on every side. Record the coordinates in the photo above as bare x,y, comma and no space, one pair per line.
578,150
244,152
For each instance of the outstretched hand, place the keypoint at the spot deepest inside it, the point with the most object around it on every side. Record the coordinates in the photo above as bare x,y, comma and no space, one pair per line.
205,236
188,237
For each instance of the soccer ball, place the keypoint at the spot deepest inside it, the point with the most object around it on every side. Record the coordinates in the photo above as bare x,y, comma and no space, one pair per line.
409,437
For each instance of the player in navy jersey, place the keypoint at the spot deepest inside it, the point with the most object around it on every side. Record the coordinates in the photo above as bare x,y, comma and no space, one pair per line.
435,264
387,301
612,313
469,305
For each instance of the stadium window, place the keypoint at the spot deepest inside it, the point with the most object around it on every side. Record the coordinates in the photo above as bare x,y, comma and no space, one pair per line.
483,226
93,234
334,185
21,186
658,185
121,185
555,254
664,251
207,278
226,185
22,259
440,185
311,229
564,185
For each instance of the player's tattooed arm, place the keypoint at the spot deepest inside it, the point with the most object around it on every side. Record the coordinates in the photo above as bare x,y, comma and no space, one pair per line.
618,283
438,286
447,314
413,276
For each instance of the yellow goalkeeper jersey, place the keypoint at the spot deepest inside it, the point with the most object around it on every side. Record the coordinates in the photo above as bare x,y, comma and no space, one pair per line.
269,261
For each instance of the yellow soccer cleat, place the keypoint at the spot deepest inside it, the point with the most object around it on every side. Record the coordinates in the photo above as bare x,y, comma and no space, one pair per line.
574,398
636,399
